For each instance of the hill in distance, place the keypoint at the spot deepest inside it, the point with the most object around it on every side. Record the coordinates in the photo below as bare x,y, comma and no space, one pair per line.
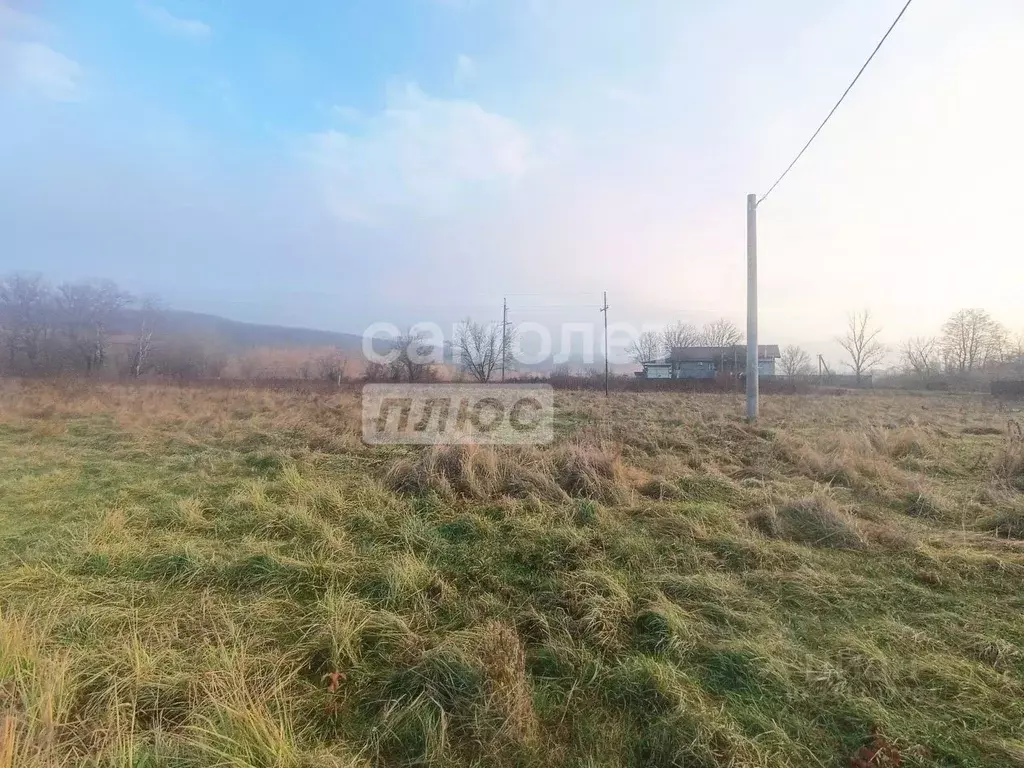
236,335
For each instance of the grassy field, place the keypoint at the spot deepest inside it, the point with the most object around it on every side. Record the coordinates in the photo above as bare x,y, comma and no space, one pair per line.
195,577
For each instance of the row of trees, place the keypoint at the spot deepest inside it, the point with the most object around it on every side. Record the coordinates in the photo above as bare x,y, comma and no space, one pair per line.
412,359
971,341
480,350
96,327
483,350
651,345
91,327
47,330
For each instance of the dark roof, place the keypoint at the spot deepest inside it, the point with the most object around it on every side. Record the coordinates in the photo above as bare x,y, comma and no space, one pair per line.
711,354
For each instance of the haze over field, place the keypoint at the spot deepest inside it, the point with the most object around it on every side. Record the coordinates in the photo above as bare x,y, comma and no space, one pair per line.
418,160
376,386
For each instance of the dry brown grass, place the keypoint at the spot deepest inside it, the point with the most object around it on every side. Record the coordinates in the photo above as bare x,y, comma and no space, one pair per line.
1008,461
573,469
474,472
817,520
230,577
500,653
183,411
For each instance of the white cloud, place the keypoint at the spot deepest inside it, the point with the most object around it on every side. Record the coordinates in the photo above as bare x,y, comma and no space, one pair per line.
38,69
13,21
421,154
465,69
190,28
30,66
619,95
348,114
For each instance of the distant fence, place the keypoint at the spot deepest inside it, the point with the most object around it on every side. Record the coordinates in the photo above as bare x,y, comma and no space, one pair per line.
848,380
307,386
1008,388
635,384
767,384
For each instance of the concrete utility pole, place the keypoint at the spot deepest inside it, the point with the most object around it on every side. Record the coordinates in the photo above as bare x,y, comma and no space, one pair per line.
605,310
504,326
752,383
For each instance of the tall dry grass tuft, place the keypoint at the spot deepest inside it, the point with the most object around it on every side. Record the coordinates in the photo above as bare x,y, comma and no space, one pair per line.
841,458
924,502
1008,461
249,718
35,701
871,463
817,520
576,469
591,470
467,700
474,472
601,604
1001,512
901,442
498,650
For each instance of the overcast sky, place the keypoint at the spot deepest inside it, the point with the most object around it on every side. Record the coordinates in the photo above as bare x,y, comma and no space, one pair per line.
333,164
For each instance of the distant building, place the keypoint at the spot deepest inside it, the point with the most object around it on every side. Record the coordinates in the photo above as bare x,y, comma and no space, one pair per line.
709,362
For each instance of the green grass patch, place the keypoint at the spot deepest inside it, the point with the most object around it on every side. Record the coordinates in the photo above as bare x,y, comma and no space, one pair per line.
227,577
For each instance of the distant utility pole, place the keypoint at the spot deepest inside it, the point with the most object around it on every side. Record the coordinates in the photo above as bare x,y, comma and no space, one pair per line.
823,366
605,310
504,327
752,203
752,373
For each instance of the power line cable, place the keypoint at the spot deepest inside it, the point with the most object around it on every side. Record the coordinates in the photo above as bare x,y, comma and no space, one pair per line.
545,307
556,293
848,88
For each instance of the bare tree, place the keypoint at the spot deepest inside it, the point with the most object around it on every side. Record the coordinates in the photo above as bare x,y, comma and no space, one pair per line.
331,367
1017,348
1000,347
1015,353
249,366
149,316
795,362
25,319
414,359
861,344
921,355
679,334
188,357
561,371
970,338
481,349
376,371
645,347
720,333
87,310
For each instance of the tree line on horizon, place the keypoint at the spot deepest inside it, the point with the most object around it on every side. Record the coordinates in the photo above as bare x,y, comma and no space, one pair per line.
95,327
970,342
652,345
68,328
